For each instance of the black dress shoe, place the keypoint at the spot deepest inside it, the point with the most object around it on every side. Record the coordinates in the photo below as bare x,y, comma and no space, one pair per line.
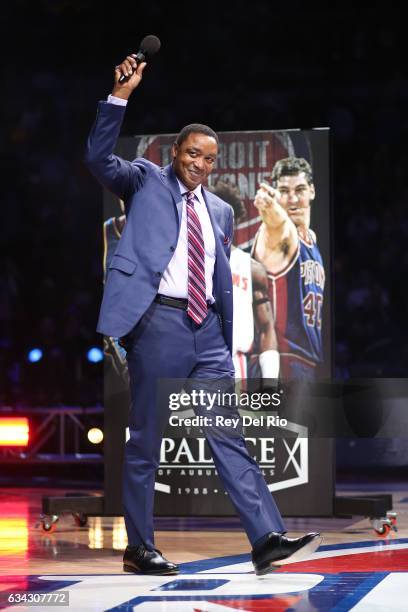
138,559
279,550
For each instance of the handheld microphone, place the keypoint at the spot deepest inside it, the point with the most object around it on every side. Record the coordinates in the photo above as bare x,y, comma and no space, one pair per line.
149,46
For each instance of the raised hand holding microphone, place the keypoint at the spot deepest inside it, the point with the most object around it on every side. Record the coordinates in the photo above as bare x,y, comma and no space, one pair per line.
133,73
129,72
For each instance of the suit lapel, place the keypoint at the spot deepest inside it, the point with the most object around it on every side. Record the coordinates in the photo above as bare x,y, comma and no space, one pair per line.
169,179
213,212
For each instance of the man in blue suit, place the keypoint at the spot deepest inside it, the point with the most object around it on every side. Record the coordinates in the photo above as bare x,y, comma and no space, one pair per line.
168,295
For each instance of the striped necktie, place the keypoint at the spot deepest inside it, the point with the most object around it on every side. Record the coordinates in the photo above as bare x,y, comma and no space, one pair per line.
197,304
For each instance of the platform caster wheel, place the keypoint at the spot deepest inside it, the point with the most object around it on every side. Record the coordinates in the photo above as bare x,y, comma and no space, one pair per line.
392,516
49,523
80,519
384,530
382,526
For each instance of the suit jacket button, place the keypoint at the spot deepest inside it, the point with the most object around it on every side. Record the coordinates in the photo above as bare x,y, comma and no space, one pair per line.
172,249
158,273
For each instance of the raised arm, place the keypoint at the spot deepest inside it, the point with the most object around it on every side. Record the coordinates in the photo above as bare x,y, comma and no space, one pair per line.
116,174
278,239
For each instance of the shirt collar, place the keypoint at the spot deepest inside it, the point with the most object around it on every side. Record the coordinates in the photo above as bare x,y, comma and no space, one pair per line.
197,191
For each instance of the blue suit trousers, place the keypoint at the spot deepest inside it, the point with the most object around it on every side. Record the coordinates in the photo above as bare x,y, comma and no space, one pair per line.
166,343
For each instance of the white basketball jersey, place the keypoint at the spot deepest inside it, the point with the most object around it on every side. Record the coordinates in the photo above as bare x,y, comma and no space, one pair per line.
243,330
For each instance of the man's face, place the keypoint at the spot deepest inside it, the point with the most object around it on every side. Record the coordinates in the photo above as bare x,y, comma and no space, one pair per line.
194,159
294,195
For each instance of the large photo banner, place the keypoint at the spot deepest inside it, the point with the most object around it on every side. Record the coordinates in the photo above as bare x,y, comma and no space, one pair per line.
282,301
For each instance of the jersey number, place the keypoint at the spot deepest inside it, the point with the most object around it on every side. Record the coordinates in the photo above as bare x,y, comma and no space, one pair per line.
312,309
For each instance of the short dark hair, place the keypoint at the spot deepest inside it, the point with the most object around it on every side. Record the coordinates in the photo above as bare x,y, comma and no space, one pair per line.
290,166
195,128
230,194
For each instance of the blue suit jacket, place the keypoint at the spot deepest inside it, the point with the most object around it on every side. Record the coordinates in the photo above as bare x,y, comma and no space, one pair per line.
153,209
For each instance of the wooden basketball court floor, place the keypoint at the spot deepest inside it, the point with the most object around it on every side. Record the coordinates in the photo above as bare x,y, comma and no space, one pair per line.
354,569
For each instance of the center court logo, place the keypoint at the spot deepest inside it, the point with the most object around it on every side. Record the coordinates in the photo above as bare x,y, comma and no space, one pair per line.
360,576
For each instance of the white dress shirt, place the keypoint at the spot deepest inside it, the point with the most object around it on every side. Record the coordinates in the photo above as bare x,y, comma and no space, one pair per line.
115,100
174,282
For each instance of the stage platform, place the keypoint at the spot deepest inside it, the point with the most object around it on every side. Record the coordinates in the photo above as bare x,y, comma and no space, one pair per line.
353,569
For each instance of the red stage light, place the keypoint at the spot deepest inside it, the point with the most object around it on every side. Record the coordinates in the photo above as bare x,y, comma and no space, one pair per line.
14,431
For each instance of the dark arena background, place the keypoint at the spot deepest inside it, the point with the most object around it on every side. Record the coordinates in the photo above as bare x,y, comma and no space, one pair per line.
326,83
